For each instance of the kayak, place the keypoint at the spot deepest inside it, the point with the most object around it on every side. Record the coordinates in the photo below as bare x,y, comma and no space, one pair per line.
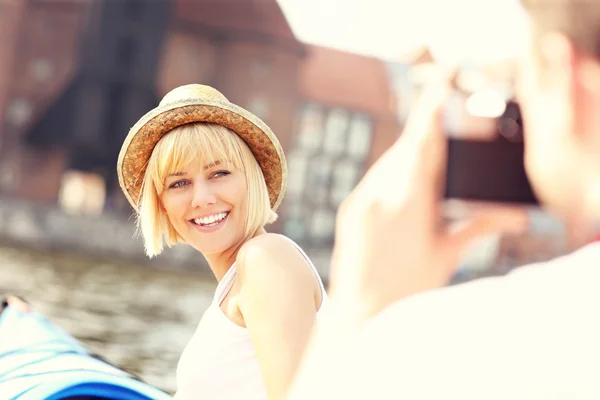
40,361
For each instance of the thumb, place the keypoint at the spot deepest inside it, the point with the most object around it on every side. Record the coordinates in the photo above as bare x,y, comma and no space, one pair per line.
425,114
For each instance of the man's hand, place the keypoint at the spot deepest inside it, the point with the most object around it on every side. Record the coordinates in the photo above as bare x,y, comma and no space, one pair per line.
389,241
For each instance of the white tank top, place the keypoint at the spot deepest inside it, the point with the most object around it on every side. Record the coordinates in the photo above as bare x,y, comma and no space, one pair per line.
219,362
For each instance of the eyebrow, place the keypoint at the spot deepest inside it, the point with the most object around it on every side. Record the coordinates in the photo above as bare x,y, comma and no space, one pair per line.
207,166
212,164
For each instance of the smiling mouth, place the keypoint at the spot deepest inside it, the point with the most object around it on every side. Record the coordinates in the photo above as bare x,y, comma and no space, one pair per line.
212,220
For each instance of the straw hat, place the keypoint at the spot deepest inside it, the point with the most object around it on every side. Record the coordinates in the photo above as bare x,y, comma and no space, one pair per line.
199,103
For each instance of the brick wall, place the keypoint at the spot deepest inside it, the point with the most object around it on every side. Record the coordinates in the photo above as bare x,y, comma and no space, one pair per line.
46,53
44,48
10,21
187,58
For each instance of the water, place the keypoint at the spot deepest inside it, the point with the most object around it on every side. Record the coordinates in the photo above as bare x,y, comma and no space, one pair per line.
138,318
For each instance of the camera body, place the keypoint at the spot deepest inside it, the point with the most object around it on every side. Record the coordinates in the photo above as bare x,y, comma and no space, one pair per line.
488,165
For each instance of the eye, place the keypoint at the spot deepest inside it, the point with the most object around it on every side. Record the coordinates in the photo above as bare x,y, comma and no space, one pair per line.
177,184
220,174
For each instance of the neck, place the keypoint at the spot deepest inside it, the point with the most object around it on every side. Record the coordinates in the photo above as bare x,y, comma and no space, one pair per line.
221,262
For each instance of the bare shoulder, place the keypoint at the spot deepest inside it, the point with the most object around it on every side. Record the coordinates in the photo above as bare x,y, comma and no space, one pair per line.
273,256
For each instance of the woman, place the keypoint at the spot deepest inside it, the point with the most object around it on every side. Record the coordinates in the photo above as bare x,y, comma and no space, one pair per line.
202,171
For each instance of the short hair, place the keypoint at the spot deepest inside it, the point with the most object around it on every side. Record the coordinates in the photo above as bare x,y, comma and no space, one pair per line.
205,143
579,20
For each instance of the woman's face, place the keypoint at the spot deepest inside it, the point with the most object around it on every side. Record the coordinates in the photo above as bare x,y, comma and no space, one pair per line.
207,206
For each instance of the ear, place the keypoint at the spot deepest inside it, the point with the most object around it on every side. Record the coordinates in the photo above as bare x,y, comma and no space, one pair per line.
159,202
558,62
563,77
161,205
588,101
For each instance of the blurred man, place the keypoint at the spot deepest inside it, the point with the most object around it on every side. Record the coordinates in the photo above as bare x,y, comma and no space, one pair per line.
530,335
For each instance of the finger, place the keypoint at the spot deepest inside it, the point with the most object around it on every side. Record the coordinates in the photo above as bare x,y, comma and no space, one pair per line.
431,147
425,131
425,114
420,151
424,119
461,234
462,209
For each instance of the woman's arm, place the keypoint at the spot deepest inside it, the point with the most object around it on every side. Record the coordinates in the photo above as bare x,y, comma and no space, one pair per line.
278,301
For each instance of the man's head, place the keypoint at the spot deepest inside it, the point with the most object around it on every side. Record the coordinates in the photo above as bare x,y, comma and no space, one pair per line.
559,94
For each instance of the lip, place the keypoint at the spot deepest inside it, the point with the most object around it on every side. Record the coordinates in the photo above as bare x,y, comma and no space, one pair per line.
208,229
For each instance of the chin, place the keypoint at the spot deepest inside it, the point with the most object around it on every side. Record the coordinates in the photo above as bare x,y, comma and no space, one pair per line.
211,246
212,249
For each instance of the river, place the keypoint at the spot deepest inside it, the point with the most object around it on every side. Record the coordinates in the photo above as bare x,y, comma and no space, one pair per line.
138,318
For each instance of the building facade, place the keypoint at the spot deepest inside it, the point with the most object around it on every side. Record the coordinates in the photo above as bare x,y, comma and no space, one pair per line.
345,121
79,73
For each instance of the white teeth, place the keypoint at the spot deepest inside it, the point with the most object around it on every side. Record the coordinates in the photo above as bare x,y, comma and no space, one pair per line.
211,219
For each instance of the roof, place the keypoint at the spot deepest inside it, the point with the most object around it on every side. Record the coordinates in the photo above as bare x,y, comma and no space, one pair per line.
337,78
256,16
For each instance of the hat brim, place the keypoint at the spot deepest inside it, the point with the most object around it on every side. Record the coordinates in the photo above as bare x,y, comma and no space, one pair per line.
142,138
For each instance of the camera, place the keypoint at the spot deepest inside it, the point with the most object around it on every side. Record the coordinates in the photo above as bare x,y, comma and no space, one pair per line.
485,159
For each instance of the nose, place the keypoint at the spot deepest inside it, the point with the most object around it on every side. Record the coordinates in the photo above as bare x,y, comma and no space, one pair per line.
203,196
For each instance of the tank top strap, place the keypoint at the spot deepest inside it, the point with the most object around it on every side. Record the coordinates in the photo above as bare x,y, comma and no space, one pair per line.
309,261
225,285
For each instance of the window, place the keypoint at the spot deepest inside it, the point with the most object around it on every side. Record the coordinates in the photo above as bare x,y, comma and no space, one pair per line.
294,223
294,228
323,224
319,178
311,128
297,166
19,112
42,70
335,131
345,178
359,139
324,167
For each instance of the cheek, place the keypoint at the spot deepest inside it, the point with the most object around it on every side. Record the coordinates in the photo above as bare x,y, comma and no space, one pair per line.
543,119
546,152
539,143
234,192
172,206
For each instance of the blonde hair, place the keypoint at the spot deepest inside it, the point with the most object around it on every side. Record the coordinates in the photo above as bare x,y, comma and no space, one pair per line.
205,143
